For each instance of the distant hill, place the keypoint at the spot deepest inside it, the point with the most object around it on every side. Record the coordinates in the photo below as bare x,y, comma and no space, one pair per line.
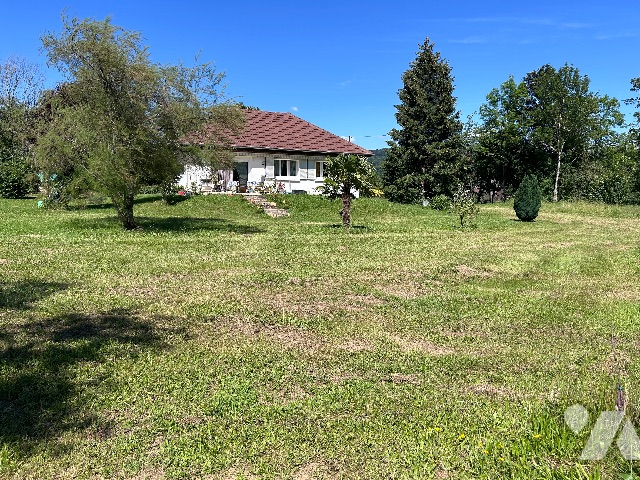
378,157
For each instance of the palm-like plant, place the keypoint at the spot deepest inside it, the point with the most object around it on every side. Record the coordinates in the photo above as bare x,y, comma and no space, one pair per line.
346,174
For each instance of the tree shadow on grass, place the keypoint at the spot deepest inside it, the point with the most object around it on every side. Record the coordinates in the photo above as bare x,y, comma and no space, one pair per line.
355,228
21,294
41,391
194,224
102,205
170,224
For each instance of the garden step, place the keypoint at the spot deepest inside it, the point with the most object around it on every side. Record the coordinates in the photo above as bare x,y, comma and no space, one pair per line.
270,208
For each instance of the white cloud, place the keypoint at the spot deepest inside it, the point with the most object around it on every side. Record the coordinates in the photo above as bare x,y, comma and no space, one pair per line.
513,24
615,36
294,109
575,25
540,21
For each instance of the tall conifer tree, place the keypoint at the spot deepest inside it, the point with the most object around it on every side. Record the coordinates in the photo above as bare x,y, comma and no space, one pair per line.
425,156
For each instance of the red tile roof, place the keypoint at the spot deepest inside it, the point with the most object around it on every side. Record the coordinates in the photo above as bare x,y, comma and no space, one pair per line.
285,132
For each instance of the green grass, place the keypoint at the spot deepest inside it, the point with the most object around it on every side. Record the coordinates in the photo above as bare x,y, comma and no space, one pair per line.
221,343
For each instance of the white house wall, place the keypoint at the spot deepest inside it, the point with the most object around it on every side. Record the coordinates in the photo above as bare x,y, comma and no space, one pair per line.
257,169
194,174
261,170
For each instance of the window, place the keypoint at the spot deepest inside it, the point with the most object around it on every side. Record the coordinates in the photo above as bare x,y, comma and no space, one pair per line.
320,169
285,168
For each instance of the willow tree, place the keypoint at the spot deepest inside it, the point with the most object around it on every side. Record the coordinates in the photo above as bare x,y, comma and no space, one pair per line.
127,116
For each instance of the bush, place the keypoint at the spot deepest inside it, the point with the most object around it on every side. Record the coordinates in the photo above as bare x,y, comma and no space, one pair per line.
440,202
16,179
614,184
528,199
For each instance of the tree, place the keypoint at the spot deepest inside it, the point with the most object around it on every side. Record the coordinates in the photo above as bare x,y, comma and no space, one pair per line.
247,107
125,118
504,152
20,86
344,174
528,199
545,123
424,157
568,120
378,158
464,206
635,87
635,130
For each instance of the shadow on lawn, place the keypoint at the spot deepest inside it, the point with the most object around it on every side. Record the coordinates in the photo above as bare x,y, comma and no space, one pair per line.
170,224
193,224
352,227
102,205
21,294
40,393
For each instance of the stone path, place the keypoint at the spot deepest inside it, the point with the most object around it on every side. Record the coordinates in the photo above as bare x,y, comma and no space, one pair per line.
270,208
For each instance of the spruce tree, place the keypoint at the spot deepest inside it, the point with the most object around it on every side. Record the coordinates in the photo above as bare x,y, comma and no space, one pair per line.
528,199
425,158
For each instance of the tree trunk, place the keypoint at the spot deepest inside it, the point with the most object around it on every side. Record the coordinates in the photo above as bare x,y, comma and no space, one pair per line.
125,212
555,186
346,208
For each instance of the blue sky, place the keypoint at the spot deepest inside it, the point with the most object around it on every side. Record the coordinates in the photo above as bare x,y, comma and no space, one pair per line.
339,64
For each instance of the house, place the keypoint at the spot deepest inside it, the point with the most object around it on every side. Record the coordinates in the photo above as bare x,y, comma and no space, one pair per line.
273,149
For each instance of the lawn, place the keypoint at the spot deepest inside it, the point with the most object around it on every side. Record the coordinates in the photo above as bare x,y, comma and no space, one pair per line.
221,343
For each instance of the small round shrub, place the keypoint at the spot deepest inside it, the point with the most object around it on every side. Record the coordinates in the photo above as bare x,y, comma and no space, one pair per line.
528,199
440,202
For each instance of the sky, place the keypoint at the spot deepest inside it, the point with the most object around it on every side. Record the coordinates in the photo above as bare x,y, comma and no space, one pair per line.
338,64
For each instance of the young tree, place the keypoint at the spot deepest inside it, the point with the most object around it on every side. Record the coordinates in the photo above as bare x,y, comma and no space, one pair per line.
464,206
126,116
424,157
344,174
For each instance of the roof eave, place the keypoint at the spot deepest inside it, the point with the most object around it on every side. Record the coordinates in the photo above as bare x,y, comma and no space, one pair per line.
367,153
